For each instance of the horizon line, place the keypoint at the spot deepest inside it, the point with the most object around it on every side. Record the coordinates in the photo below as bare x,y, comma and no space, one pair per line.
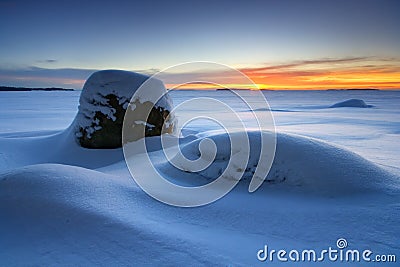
2,89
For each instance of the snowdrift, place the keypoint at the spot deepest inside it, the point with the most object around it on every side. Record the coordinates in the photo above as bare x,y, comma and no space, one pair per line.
60,147
301,164
63,215
352,103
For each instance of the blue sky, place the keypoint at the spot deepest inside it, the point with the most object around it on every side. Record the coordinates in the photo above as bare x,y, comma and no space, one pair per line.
60,42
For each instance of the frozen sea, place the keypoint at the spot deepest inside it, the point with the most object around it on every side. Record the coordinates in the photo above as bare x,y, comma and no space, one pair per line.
370,132
63,205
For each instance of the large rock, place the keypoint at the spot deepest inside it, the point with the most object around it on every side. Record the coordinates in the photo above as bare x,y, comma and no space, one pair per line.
103,103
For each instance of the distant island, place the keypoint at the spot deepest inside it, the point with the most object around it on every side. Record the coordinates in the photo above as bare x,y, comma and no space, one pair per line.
22,89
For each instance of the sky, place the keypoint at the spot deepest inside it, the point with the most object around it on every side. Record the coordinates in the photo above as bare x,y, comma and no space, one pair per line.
278,44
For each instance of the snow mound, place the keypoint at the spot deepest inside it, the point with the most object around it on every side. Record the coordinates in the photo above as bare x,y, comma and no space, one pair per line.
45,183
55,210
300,163
104,100
65,215
60,147
352,103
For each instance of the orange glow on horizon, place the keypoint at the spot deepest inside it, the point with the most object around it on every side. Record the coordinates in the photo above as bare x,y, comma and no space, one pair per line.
320,74
347,73
340,79
205,86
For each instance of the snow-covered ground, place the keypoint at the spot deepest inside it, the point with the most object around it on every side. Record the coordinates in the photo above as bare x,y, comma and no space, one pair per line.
336,175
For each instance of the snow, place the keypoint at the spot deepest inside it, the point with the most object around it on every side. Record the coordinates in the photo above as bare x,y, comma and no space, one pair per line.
117,82
301,164
353,103
335,174
100,84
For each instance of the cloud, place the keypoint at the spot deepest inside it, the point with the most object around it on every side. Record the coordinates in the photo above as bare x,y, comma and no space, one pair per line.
47,61
305,63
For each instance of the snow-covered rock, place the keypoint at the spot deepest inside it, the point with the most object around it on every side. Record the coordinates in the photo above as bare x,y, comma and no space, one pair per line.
352,103
103,103
300,164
